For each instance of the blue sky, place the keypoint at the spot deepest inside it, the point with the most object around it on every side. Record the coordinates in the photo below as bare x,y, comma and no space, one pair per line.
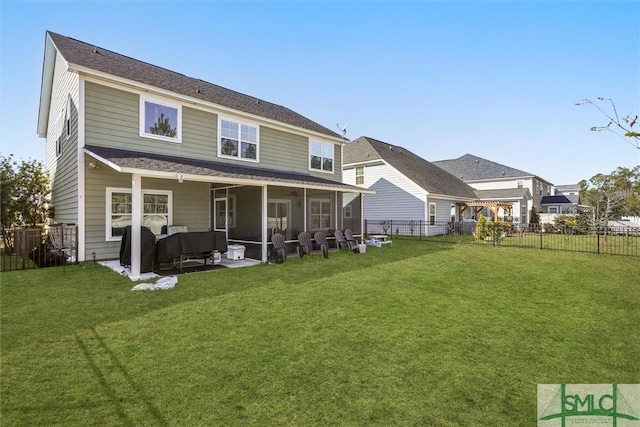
495,79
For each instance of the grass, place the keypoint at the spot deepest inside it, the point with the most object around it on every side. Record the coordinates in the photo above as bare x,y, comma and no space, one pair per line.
411,334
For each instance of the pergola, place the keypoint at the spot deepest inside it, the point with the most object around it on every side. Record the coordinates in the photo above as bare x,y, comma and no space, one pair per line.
492,205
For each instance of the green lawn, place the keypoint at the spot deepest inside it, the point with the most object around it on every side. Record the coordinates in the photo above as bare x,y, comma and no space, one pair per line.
415,333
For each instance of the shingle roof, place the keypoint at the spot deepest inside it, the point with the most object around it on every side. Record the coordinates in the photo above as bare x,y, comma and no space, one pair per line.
471,168
425,174
173,164
105,61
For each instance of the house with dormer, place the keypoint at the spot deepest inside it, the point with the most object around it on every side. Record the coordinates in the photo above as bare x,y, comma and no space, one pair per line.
491,180
131,143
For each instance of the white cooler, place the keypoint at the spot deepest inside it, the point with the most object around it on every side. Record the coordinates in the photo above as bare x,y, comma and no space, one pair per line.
235,251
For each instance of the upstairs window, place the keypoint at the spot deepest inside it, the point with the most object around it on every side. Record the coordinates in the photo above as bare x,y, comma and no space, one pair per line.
321,156
59,132
238,140
160,120
520,183
359,175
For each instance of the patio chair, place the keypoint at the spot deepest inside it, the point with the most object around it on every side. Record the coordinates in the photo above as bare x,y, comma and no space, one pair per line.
351,241
279,246
321,240
342,242
306,245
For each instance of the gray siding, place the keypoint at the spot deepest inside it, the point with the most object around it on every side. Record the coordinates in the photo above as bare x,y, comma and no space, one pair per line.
190,206
63,170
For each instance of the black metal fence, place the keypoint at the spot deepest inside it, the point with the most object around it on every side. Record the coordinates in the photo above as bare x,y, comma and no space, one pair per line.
611,240
25,248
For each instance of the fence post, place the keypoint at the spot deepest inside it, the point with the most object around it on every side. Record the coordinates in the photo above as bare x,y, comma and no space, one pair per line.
540,225
420,228
598,240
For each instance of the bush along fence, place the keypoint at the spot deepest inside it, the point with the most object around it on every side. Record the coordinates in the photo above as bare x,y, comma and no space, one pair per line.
25,248
611,240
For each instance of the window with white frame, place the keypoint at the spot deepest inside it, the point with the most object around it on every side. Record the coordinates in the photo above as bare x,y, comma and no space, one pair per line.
347,211
156,210
321,156
520,183
553,209
68,117
238,140
319,214
432,214
58,133
160,119
359,175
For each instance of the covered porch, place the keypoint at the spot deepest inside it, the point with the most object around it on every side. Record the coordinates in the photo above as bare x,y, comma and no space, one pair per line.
249,204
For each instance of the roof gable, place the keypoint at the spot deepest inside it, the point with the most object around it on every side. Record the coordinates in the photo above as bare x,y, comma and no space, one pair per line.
102,60
471,168
425,174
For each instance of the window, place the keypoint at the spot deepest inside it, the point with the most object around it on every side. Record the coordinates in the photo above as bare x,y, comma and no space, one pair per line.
432,214
238,140
321,156
320,214
520,183
156,211
160,120
58,133
553,209
359,175
68,116
453,213
347,211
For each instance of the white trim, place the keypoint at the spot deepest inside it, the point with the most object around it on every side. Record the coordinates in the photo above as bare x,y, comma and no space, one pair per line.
136,87
363,176
144,98
240,123
435,213
109,198
81,171
265,245
323,144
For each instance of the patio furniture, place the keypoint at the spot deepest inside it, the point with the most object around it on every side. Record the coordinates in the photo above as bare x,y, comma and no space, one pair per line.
351,241
378,240
306,246
279,246
179,247
341,242
321,239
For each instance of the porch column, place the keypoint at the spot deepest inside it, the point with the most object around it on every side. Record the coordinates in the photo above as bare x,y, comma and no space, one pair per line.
136,223
362,217
304,208
265,252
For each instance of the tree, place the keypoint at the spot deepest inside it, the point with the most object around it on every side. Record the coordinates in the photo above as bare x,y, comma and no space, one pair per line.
162,127
612,196
624,131
25,190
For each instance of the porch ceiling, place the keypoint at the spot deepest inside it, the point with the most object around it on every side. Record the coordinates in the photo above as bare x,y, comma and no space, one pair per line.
169,167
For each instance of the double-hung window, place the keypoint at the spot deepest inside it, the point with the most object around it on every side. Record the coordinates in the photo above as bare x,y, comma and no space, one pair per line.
58,132
321,156
432,214
320,214
238,140
156,210
160,119
359,175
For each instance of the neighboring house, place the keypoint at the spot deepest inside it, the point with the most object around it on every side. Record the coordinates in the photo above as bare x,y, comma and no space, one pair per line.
407,187
483,174
565,201
132,143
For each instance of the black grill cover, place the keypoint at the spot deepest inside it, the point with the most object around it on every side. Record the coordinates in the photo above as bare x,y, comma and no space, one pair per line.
147,252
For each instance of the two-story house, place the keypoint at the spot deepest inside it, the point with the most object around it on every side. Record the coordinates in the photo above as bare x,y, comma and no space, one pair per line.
131,143
407,187
522,190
